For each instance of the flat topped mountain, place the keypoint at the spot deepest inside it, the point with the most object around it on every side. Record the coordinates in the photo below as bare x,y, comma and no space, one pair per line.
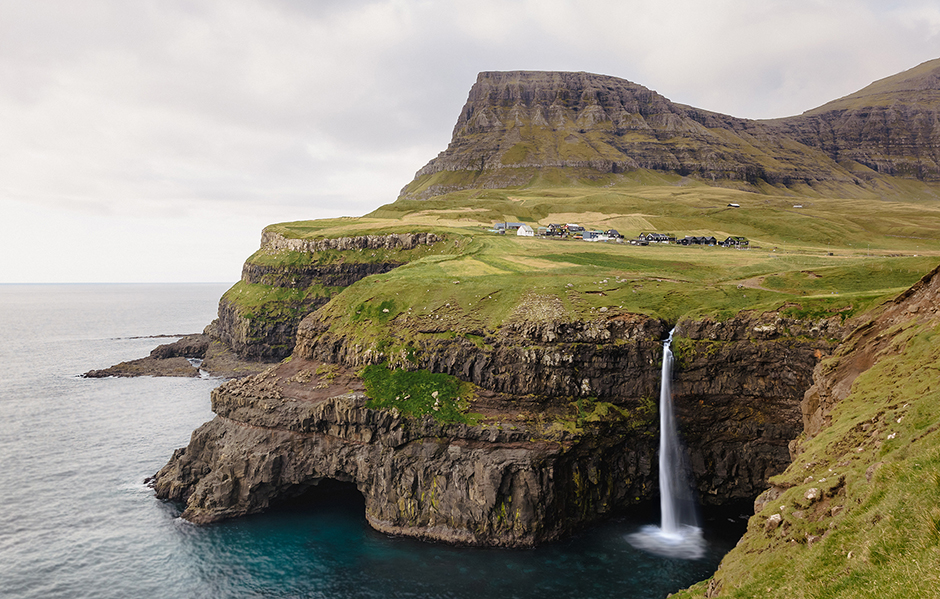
524,127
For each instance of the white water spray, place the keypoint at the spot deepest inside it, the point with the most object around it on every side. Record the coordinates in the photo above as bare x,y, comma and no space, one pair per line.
678,534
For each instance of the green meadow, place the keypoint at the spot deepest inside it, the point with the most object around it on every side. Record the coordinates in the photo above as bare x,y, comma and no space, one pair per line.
810,256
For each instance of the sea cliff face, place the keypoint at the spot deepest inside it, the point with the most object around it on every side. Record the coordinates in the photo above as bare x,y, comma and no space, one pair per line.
567,434
258,317
454,483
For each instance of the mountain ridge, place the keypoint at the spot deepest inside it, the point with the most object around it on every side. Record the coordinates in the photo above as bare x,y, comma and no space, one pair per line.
521,127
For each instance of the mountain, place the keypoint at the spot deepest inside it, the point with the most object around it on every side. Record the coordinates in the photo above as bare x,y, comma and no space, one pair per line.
891,127
521,128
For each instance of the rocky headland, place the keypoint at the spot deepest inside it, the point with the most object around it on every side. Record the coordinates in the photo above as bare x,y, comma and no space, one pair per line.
567,433
553,424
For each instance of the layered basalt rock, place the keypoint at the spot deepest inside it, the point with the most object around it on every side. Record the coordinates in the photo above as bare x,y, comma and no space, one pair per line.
737,390
520,477
892,127
515,124
266,330
191,356
482,485
274,241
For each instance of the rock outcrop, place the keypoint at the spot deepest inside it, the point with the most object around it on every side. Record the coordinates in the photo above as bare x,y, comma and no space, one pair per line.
454,483
568,434
190,356
258,318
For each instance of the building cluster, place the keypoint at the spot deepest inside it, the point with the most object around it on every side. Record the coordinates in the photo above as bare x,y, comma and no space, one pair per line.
569,230
575,231
735,241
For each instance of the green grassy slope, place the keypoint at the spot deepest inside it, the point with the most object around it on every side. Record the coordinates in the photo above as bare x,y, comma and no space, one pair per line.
833,256
859,515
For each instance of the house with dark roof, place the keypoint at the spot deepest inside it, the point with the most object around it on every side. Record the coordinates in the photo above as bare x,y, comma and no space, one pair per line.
735,241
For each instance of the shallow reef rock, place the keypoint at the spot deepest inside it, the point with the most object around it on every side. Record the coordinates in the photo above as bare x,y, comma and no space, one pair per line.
575,442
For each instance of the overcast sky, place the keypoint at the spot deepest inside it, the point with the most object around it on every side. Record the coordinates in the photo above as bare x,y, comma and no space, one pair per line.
152,140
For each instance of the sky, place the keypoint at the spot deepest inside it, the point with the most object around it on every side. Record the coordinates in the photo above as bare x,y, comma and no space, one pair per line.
152,140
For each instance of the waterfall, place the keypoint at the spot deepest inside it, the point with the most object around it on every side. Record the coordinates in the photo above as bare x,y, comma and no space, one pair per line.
678,534
669,463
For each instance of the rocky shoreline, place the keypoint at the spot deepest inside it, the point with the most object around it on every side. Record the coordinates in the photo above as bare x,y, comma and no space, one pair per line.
541,463
190,356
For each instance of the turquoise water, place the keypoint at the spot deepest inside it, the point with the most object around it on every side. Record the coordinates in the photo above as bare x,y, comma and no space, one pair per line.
78,521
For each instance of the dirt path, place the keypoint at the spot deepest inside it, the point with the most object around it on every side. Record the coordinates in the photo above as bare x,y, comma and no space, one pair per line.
755,283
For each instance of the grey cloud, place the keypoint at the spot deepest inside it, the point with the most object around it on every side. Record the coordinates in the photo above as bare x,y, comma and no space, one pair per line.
297,107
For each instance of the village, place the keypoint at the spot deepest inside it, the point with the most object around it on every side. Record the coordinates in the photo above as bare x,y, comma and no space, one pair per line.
577,232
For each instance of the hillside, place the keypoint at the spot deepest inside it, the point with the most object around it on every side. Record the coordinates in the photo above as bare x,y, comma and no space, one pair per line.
857,514
891,127
530,128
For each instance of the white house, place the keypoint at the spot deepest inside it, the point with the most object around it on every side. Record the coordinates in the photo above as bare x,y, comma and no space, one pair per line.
525,231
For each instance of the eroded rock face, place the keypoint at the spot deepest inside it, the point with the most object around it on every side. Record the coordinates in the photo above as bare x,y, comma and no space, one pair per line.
276,242
267,331
607,359
456,483
833,379
514,480
517,122
737,392
892,126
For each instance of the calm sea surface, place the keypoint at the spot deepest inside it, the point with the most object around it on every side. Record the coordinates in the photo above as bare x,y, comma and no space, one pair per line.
78,521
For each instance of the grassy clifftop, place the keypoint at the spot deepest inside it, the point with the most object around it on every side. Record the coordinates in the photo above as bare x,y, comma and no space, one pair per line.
825,257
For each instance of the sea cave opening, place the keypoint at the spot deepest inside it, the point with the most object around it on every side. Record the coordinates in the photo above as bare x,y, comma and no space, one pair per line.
326,494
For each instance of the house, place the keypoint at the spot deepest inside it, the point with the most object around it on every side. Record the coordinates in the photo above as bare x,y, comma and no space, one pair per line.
595,236
525,231
696,240
613,234
658,237
506,226
735,241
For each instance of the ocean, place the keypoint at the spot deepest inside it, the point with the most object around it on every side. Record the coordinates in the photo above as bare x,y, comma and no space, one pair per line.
77,519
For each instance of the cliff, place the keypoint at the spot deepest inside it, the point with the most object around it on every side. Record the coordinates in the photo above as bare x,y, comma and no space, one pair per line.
856,513
258,317
563,433
890,127
517,125
494,390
